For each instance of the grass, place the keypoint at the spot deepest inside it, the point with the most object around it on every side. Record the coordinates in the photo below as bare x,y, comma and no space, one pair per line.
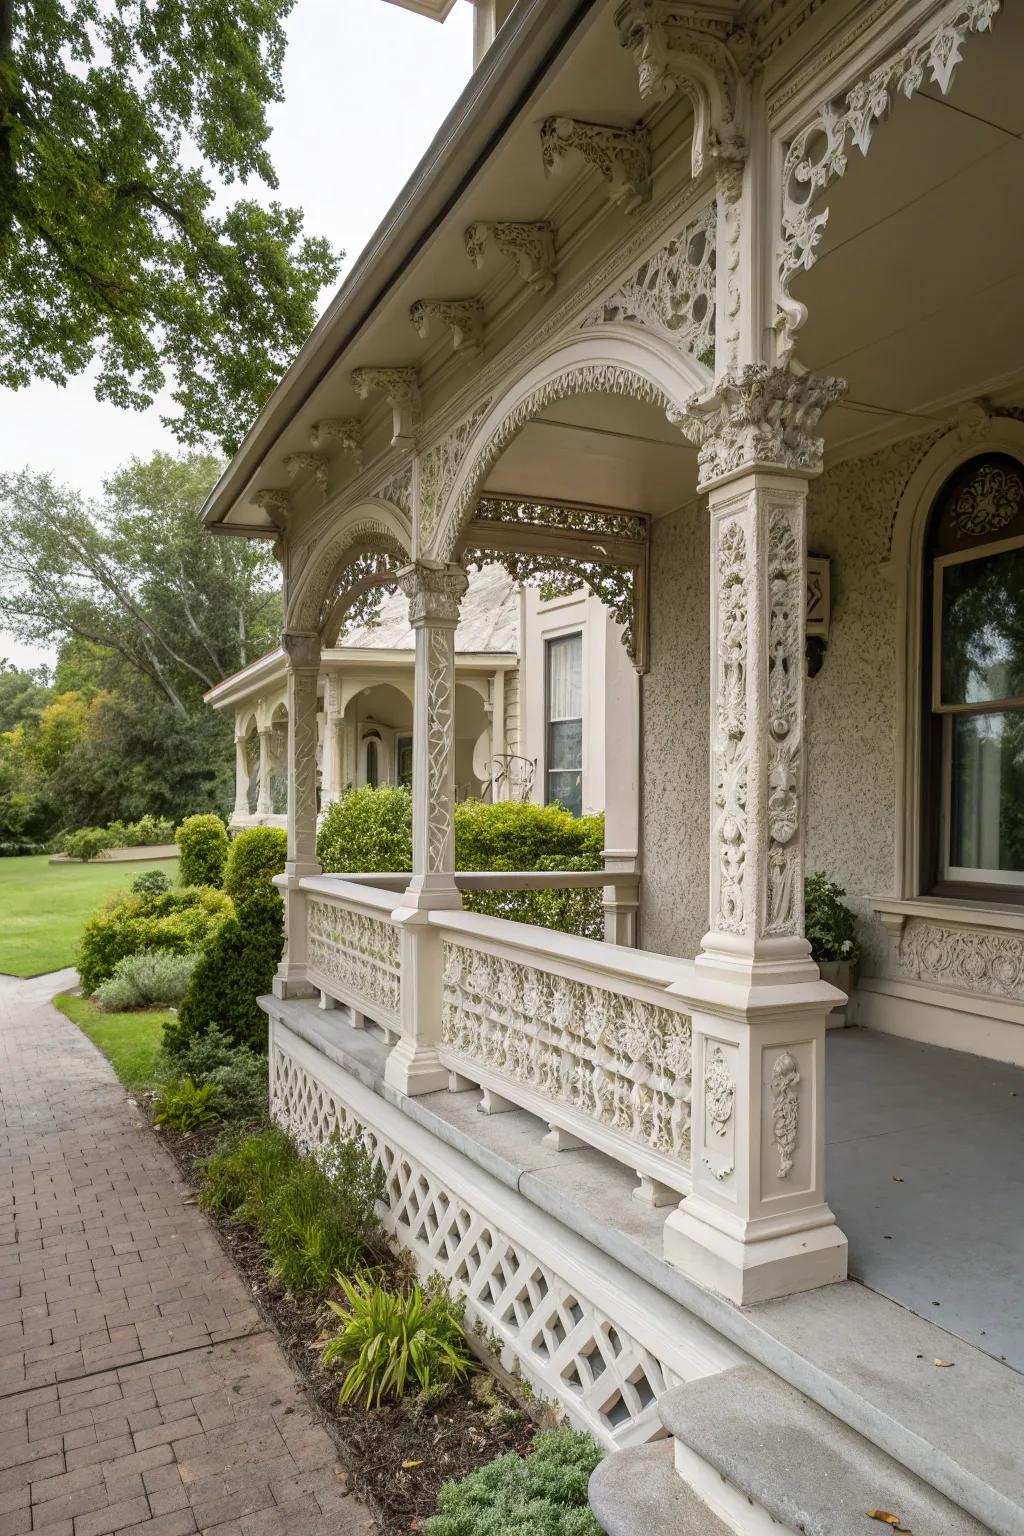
130,1041
44,907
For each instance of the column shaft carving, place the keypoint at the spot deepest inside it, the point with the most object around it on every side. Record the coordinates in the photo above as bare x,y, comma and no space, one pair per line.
434,590
303,653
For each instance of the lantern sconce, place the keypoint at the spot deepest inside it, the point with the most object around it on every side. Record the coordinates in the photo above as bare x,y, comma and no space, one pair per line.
819,610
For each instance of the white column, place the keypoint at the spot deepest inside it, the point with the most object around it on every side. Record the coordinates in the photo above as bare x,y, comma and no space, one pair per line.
303,651
332,781
241,810
264,804
434,591
498,744
757,1223
621,789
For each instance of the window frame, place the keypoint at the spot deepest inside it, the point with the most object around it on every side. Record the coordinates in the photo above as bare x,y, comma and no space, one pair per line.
550,640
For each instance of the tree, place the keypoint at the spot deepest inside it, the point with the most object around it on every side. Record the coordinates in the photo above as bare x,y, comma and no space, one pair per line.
136,579
23,694
110,243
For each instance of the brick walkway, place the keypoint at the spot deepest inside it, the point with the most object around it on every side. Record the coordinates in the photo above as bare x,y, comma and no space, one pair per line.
140,1390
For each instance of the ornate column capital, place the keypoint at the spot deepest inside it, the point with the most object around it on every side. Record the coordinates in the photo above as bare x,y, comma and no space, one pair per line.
621,155
760,417
434,589
530,246
302,650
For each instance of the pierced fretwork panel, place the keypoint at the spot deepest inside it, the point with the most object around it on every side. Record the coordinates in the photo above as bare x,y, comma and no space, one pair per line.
356,957
561,1341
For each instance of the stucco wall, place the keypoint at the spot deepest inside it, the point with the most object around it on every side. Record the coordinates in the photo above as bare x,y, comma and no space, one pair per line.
851,705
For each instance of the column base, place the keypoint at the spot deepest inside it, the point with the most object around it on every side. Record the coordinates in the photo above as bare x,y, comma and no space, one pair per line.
414,1070
754,1271
293,983
444,896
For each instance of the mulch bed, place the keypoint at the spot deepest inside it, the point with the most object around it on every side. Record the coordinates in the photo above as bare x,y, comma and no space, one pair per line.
396,1459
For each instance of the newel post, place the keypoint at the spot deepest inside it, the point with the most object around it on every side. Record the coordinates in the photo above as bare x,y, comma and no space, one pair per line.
303,652
757,1223
435,591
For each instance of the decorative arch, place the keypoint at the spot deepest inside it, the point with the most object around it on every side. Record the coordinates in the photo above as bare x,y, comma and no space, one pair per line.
607,359
373,527
977,433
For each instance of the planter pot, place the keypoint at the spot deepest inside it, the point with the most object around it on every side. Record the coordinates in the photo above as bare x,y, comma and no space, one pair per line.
839,973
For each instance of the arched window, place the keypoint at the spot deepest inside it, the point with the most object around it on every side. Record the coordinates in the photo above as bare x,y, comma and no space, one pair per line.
372,764
973,790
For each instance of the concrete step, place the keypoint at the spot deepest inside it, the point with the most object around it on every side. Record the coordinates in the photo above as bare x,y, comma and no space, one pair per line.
639,1493
745,1438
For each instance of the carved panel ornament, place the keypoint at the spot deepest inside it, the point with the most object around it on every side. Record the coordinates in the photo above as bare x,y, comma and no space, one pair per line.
463,317
730,746
358,952
817,155
620,1060
530,246
398,490
760,416
439,467
989,502
621,155
705,59
786,592
967,959
719,1101
672,293
785,1110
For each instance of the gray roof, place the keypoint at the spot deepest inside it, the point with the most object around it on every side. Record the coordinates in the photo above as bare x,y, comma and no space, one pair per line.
489,619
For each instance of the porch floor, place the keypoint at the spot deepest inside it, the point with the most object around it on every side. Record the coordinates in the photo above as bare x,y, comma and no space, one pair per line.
925,1172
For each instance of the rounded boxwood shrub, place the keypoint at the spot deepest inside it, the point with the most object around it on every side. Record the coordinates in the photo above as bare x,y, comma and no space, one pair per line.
177,920
254,858
203,841
236,967
367,831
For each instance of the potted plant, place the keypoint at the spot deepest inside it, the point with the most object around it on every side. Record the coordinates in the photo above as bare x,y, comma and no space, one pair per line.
831,930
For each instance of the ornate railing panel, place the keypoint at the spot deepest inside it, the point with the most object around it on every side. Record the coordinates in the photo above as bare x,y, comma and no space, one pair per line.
354,957
610,1066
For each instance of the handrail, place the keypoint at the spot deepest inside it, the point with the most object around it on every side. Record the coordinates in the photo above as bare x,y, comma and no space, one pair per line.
495,880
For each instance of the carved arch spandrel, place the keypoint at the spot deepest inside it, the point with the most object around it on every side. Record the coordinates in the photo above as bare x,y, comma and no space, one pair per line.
611,360
370,527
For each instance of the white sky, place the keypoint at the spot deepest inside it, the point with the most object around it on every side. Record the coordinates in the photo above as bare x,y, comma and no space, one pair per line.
346,138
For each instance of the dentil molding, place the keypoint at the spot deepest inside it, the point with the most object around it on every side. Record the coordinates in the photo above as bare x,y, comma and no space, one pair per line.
530,246
621,155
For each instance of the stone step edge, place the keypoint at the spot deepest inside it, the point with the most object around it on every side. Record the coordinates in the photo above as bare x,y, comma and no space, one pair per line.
638,1492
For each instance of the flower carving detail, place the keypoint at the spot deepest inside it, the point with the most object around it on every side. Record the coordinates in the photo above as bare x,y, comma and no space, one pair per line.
785,1109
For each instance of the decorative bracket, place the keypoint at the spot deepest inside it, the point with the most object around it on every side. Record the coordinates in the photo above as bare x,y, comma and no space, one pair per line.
310,463
343,430
676,48
401,388
463,317
530,246
276,504
622,155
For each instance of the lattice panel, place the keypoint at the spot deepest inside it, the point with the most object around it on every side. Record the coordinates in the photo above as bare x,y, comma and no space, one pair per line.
565,1345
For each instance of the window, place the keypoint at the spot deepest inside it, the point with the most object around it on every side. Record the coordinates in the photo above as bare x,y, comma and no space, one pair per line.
403,760
564,722
974,703
372,764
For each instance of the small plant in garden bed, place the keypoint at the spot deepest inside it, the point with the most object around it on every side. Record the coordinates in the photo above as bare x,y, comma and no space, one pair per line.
239,1073
394,1341
829,924
186,1106
543,1494
153,978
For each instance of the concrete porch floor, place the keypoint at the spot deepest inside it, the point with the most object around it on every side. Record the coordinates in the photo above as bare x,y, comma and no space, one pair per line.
925,1172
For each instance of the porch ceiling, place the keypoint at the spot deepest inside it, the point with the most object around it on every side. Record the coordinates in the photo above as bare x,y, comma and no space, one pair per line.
918,296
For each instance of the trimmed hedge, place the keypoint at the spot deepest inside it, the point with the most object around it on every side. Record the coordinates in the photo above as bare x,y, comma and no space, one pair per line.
370,831
254,858
203,841
177,920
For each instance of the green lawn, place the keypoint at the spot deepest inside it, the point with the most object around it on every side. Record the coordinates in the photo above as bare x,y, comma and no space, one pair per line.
44,907
130,1041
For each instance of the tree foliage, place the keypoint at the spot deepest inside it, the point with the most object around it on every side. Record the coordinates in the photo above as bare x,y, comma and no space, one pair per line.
120,123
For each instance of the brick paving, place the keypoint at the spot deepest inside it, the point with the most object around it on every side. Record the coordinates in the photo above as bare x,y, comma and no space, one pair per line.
140,1390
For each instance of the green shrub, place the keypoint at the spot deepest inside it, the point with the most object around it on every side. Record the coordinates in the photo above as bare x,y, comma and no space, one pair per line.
185,1105
830,926
394,1341
151,883
241,1083
512,835
236,967
88,843
240,1175
543,1494
152,978
203,841
177,920
254,858
367,831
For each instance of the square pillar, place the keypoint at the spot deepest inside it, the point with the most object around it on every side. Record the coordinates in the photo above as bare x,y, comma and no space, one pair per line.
333,776
303,652
434,590
757,1224
413,1065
